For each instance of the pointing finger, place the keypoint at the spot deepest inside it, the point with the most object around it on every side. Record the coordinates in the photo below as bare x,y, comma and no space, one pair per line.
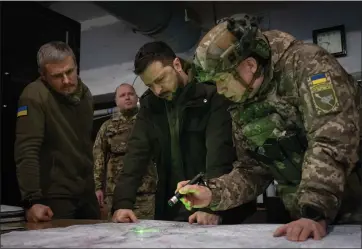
188,189
180,185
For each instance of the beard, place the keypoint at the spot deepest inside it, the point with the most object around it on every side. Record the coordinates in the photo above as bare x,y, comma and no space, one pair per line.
179,85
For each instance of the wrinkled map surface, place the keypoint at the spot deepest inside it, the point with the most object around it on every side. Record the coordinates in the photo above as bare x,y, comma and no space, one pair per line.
157,234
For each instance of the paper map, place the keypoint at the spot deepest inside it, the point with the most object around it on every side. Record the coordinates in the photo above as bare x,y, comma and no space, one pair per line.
163,234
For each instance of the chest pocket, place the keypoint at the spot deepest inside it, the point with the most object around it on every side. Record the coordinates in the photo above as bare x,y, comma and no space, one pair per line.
117,138
279,146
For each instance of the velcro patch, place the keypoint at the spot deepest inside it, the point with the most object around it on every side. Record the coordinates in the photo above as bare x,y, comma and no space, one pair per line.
22,111
323,94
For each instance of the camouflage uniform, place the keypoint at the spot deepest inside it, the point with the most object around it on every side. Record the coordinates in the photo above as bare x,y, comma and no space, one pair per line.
301,127
109,149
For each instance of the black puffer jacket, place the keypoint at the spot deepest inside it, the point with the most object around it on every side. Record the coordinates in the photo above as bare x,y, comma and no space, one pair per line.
205,144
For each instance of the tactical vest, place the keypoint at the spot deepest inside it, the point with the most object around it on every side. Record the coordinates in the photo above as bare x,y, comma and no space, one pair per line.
275,142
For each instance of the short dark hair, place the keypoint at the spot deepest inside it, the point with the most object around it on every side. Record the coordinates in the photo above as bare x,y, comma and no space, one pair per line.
150,52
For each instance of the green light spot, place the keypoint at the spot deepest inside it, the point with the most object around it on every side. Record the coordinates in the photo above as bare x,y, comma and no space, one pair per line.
145,230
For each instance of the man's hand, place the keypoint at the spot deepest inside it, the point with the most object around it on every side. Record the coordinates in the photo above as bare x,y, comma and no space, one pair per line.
100,197
203,218
302,229
38,225
39,213
124,216
196,196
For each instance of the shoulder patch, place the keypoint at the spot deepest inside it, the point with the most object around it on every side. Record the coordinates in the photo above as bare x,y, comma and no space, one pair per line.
323,94
22,111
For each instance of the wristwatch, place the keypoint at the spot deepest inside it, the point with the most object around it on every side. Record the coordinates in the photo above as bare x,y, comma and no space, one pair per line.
312,213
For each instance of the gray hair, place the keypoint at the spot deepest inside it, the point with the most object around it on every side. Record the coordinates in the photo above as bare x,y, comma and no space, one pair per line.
54,51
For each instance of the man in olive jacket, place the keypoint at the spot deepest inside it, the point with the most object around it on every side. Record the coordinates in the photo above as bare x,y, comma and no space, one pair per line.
53,147
186,128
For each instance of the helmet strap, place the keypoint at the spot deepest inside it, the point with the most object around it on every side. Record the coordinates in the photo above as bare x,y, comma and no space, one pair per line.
248,87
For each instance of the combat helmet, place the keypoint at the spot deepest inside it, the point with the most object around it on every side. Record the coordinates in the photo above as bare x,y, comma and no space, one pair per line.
227,44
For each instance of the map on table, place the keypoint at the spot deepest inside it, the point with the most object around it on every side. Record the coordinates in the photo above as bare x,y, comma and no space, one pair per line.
164,234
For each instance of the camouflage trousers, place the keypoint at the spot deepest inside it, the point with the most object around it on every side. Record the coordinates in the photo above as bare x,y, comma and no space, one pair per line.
144,207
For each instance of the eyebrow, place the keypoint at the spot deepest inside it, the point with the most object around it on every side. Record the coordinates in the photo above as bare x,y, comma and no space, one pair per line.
64,72
148,84
161,75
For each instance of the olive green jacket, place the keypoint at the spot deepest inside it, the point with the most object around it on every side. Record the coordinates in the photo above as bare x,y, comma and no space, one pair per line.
53,147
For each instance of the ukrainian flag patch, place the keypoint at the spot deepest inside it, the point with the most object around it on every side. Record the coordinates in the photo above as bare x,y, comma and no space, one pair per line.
324,96
318,78
22,111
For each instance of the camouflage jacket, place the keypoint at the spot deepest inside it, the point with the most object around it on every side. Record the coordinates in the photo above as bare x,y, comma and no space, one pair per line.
109,150
306,89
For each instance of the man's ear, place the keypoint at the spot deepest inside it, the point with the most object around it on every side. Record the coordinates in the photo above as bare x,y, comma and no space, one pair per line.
252,64
177,65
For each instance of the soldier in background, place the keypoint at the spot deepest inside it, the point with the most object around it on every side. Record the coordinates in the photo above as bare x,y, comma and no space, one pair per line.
109,149
295,120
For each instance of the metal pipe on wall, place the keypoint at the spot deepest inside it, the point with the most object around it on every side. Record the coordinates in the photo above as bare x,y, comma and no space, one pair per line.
103,112
108,111
163,21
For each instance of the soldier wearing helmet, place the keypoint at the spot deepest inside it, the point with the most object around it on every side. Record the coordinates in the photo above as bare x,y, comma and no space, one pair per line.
295,120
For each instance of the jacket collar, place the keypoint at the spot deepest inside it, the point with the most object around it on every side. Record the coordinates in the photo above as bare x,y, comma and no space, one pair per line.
81,91
120,116
279,43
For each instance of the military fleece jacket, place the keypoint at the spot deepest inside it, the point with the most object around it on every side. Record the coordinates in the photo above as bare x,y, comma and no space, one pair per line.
205,143
53,147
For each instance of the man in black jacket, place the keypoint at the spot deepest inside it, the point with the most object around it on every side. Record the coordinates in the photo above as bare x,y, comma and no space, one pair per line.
186,128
